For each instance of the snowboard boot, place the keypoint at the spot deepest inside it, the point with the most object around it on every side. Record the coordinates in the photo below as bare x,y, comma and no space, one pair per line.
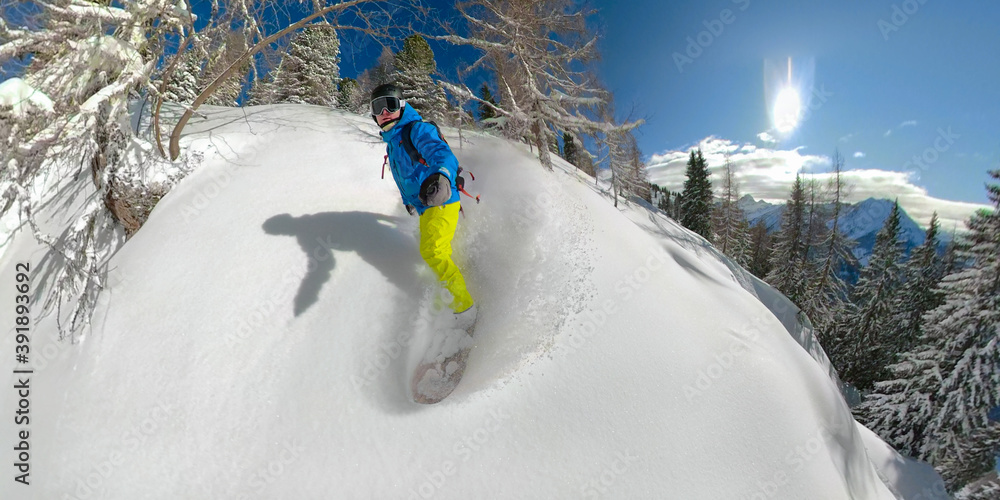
466,319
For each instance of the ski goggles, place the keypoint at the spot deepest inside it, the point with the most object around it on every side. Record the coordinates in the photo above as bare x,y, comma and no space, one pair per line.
388,103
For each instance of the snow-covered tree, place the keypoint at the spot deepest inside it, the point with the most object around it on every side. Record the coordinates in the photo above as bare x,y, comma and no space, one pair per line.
787,256
539,52
975,455
825,300
310,70
760,250
209,54
919,293
628,171
186,81
863,349
732,231
966,331
258,19
814,230
936,405
88,58
347,91
696,209
414,66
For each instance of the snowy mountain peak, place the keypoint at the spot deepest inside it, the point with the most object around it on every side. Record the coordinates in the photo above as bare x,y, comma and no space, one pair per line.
860,222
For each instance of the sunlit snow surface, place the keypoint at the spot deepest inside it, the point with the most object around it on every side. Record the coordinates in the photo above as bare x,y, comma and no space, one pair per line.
254,341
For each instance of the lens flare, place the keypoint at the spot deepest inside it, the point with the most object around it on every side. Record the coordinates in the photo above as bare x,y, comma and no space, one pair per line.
785,86
787,110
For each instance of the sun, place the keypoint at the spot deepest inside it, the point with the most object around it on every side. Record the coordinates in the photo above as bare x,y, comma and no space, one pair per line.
787,110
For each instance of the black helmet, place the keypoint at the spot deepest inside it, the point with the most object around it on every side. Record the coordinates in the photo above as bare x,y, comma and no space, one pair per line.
387,90
386,97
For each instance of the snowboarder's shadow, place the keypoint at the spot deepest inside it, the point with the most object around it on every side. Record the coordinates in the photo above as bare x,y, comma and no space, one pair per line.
376,238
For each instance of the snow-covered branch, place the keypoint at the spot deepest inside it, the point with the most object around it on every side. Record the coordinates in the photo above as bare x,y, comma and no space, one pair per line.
536,49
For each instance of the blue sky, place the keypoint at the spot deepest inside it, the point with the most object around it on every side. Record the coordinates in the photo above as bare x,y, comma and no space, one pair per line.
891,82
890,78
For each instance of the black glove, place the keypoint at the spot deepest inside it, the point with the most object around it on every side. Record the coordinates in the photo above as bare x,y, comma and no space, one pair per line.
435,190
410,209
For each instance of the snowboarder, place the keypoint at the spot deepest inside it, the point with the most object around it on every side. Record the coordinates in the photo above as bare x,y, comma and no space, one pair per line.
428,189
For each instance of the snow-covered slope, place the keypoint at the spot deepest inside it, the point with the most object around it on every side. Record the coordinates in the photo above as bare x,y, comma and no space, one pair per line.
253,343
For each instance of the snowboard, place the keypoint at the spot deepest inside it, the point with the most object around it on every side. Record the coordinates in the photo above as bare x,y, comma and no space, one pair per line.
442,365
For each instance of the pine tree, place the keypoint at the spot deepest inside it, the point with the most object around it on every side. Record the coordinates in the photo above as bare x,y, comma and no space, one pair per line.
919,294
487,106
697,196
554,144
184,84
347,91
569,148
732,231
786,275
263,89
977,456
863,351
760,250
310,71
825,301
936,407
965,330
414,65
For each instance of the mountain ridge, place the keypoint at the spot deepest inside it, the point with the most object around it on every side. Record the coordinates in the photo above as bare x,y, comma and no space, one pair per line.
860,222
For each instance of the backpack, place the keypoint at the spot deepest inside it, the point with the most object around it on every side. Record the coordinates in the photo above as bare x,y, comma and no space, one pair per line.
415,155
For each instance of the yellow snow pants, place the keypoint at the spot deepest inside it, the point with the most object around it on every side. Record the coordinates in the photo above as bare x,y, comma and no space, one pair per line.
437,229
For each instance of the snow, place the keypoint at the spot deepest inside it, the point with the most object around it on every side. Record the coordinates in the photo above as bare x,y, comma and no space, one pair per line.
253,342
22,97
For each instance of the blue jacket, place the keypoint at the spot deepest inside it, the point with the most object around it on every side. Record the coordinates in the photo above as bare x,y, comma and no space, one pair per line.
409,175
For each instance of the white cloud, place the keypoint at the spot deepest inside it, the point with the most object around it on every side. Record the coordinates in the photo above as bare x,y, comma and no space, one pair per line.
846,138
859,154
767,138
887,133
768,174
908,123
